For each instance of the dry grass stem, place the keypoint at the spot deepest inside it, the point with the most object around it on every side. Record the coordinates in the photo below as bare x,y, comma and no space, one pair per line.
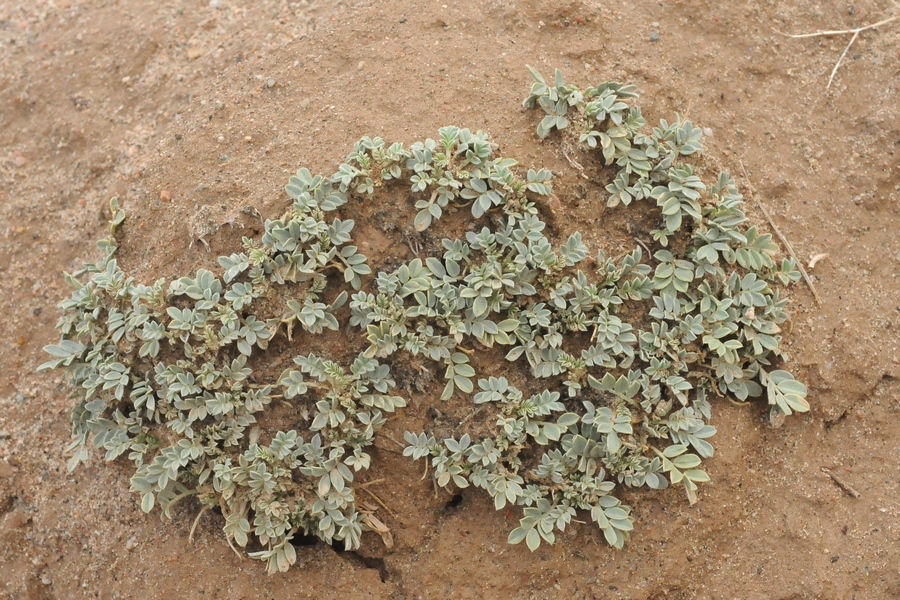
841,482
194,526
841,58
855,33
380,502
842,31
783,239
393,439
373,482
575,164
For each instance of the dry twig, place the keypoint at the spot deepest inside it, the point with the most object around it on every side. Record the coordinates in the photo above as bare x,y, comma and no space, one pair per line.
855,33
783,239
841,482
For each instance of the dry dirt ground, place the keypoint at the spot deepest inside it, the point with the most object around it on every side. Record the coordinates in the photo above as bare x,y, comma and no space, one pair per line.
136,97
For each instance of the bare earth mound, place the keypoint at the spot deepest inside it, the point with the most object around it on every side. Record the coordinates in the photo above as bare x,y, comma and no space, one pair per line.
196,113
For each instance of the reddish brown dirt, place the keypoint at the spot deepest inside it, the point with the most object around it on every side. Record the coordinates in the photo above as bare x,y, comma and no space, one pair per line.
133,97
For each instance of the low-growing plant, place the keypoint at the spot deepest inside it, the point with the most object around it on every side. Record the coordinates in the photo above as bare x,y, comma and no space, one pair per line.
615,359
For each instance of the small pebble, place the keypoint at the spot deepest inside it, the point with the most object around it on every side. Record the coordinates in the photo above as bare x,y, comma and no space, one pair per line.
270,82
304,103
707,131
215,3
403,19
221,138
165,195
45,579
654,37
131,544
247,138
361,65
4,435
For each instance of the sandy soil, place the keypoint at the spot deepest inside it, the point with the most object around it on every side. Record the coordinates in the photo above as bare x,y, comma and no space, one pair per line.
168,105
